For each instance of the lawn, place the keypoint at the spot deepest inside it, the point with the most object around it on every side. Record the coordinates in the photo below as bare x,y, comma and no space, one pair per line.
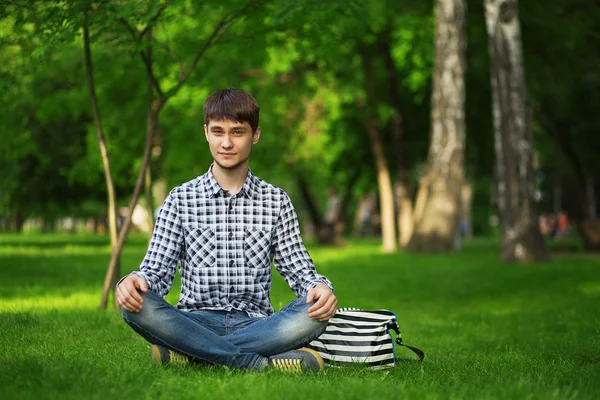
489,330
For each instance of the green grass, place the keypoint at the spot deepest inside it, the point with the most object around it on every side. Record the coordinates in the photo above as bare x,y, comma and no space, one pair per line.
489,330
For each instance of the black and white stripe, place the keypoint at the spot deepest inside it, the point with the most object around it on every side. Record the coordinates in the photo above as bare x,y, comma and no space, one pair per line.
356,336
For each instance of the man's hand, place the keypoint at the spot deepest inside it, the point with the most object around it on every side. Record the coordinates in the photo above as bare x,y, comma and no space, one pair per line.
326,303
128,294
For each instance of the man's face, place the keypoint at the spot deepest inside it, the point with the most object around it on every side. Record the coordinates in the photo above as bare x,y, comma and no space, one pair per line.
230,142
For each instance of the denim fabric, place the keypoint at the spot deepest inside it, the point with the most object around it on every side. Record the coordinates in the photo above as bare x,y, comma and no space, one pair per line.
230,338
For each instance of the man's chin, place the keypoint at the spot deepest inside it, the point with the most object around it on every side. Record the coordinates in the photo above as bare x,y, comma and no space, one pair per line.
230,166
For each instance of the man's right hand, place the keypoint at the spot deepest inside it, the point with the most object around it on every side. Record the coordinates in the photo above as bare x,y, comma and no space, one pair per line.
128,294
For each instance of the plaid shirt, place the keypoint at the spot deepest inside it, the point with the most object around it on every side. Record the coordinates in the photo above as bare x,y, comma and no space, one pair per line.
225,246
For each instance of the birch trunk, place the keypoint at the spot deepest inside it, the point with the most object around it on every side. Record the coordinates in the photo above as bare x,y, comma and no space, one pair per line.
148,174
438,205
152,125
521,237
384,181
110,187
403,193
149,202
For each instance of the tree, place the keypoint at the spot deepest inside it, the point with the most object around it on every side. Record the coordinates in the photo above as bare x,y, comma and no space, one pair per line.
106,165
564,84
154,109
521,237
439,198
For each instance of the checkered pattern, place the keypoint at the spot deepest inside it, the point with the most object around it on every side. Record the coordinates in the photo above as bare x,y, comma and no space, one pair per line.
225,245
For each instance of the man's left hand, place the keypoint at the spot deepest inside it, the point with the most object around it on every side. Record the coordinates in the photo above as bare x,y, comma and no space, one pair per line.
325,303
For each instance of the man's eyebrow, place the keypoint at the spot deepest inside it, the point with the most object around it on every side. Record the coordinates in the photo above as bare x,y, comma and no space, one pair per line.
236,127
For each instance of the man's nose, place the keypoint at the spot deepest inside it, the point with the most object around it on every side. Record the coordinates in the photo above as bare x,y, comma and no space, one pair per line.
226,143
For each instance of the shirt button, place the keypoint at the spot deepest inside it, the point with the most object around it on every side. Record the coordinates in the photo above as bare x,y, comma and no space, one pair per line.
230,206
230,235
231,263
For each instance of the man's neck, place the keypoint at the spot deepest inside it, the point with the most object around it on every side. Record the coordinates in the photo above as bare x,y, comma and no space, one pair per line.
231,180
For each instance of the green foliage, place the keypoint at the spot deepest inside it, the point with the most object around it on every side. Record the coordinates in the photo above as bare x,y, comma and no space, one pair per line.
562,72
490,331
302,60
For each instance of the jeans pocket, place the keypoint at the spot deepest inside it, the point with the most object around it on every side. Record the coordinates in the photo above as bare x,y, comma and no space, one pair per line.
201,247
257,246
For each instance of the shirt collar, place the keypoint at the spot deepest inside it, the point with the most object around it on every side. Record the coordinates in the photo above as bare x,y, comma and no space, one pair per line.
212,187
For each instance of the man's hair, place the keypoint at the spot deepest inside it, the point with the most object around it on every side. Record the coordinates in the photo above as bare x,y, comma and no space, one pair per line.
233,104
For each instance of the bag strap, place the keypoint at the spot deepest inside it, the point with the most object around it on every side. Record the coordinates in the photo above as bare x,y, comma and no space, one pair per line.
396,328
418,352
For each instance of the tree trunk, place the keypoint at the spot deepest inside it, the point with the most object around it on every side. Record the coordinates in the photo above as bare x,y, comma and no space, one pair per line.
466,203
148,175
347,197
149,202
339,225
556,197
110,188
152,124
521,237
403,191
588,225
590,211
321,231
384,182
440,192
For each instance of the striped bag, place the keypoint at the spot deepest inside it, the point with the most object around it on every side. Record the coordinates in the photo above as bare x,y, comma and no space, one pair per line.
355,336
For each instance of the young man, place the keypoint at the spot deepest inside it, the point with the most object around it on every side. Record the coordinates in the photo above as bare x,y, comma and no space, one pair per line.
224,228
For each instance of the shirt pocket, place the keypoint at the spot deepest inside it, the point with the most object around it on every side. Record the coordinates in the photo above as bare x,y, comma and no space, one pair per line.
201,247
257,246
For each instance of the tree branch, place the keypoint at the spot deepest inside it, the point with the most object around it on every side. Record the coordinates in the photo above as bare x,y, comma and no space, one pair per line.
153,20
171,53
147,62
151,75
209,42
283,77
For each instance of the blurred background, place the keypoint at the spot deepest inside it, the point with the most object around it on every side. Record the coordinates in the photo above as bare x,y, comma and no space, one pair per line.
377,116
443,157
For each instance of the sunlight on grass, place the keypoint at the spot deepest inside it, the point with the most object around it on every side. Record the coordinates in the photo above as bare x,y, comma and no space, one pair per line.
489,329
590,289
67,250
74,301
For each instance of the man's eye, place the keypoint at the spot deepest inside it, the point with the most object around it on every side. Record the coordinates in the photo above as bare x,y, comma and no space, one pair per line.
238,132
217,132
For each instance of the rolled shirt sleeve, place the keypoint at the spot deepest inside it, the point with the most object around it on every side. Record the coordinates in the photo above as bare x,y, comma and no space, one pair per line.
159,265
291,257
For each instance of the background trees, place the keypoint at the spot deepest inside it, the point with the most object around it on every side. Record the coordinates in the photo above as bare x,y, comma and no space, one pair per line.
519,222
347,92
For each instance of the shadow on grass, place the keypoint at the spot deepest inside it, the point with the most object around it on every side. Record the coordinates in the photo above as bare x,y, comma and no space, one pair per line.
367,281
57,273
51,241
363,277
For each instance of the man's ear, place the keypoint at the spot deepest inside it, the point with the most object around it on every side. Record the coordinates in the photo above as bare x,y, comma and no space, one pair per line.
256,135
206,132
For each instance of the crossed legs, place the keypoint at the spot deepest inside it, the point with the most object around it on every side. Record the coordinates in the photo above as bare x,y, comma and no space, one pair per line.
248,344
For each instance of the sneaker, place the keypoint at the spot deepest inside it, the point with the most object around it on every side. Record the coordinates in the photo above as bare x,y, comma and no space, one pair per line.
300,360
162,355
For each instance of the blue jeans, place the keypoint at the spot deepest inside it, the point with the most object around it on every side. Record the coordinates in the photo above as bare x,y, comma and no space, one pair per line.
230,338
